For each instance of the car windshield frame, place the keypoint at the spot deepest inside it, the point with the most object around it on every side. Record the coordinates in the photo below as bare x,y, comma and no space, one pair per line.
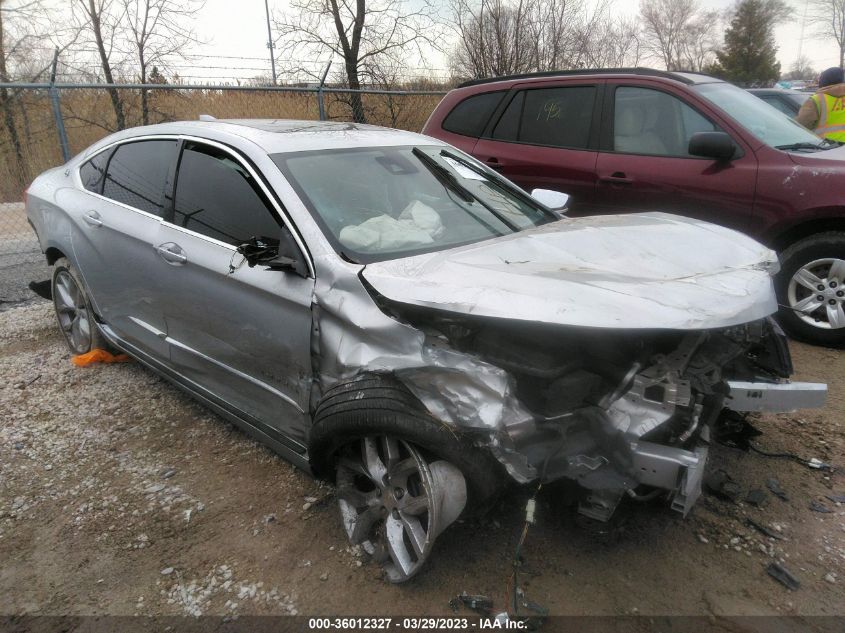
444,165
760,119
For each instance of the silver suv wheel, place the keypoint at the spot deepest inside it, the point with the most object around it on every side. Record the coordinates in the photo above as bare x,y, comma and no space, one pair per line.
817,293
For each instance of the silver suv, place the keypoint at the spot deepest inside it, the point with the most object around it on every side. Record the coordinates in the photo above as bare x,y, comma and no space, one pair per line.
391,315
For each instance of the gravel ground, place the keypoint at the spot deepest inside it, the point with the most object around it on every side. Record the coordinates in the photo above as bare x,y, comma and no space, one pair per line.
119,495
21,260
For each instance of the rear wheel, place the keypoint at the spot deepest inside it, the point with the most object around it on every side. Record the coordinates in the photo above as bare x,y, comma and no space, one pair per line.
73,310
811,290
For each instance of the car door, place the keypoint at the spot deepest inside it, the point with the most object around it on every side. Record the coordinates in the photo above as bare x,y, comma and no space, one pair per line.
546,138
116,224
241,334
644,164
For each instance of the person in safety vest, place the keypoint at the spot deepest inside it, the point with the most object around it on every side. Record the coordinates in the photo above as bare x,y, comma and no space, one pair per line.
824,112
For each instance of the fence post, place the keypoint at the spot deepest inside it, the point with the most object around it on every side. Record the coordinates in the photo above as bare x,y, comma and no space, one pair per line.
320,103
57,109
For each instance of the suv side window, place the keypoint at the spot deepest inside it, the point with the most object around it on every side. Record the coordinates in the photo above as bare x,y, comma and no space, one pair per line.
557,117
652,122
137,172
91,173
470,116
776,102
217,197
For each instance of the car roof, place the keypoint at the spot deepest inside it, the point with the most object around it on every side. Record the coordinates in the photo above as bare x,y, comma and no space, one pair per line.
278,136
681,76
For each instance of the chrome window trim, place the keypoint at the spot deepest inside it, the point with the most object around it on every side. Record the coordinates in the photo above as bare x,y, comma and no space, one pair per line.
78,176
197,139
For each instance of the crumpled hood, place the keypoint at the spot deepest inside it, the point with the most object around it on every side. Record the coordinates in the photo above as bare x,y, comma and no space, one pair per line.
649,270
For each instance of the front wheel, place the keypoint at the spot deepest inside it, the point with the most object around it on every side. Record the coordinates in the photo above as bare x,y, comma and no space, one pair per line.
811,289
394,502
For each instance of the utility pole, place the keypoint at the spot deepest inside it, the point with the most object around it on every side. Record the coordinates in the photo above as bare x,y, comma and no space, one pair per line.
270,42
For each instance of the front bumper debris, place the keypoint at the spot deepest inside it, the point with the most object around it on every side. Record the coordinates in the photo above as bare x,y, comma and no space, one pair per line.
774,397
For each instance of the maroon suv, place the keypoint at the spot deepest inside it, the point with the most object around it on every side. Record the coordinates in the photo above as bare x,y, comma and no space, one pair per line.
644,140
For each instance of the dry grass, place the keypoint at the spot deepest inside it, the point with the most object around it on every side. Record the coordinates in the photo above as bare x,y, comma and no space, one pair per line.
89,116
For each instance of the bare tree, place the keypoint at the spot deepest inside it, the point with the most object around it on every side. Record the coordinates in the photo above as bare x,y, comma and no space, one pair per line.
359,32
99,20
494,38
828,16
158,33
28,35
497,37
801,68
667,26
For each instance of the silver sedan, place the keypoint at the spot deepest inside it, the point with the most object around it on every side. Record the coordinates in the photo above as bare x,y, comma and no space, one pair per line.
395,317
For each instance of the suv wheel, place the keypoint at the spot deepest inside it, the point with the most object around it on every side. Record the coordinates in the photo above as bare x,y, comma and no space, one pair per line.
73,310
811,289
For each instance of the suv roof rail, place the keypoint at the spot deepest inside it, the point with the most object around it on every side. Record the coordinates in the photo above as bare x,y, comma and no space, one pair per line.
677,76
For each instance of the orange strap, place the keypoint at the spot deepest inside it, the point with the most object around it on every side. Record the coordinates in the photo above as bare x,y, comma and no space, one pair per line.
98,356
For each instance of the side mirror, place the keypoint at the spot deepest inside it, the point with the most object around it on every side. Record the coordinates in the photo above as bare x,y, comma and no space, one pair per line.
282,254
555,200
715,145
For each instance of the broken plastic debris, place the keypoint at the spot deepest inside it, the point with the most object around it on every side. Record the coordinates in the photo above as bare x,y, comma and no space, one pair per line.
98,356
763,529
757,497
721,485
836,498
815,506
479,604
783,576
774,485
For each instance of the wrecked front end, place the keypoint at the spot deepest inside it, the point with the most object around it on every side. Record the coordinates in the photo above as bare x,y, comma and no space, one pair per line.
619,412
622,399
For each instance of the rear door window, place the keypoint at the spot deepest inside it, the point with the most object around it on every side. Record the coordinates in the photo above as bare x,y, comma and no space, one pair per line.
555,117
92,172
218,197
137,172
470,116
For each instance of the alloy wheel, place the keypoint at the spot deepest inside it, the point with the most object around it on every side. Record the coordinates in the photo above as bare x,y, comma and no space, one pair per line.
72,312
816,293
394,503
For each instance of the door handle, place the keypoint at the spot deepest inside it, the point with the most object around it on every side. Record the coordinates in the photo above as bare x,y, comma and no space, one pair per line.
493,163
617,178
92,218
172,253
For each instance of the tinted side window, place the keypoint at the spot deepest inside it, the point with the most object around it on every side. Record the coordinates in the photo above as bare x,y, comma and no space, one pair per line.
91,173
137,172
471,115
218,198
654,123
560,117
507,129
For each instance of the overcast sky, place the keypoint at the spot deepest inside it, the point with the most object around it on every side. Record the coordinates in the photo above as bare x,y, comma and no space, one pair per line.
235,33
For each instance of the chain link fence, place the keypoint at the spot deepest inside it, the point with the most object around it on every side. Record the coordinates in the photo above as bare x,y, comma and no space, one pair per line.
42,125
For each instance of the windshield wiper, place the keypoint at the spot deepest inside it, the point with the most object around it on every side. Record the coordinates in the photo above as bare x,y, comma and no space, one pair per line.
824,144
448,180
499,180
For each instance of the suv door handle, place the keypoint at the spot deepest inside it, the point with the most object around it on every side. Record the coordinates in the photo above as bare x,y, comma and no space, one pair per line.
92,218
493,163
617,178
172,253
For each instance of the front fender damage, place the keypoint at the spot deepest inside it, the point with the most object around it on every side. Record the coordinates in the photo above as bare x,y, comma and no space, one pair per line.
617,411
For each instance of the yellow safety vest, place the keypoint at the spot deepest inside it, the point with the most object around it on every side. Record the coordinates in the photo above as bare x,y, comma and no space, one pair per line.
831,116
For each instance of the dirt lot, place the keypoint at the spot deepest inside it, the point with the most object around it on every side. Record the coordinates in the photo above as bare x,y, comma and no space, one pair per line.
119,495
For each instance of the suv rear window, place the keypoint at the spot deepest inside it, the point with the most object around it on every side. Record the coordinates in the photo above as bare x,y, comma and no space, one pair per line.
556,117
469,117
